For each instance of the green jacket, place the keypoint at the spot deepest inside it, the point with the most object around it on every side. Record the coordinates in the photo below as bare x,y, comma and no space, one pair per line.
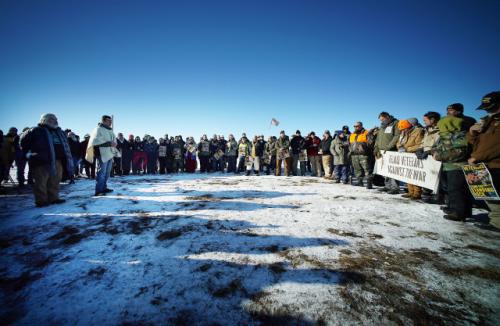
340,151
283,143
232,148
270,148
452,150
387,137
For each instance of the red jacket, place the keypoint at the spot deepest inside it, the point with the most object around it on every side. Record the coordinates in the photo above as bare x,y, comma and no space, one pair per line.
312,146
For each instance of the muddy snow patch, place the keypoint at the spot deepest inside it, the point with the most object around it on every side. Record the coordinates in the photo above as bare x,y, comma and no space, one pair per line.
216,249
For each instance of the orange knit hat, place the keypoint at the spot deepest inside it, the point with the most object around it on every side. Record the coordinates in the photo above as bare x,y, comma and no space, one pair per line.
404,124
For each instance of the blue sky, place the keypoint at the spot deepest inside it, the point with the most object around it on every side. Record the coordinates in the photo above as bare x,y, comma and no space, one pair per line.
193,67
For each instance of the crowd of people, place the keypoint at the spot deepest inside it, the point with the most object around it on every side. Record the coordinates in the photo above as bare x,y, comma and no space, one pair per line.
343,156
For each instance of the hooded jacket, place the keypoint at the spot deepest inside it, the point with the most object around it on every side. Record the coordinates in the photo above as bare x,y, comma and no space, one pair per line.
411,140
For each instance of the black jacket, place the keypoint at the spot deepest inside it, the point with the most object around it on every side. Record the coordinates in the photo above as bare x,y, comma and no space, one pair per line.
259,147
74,146
297,143
325,145
35,141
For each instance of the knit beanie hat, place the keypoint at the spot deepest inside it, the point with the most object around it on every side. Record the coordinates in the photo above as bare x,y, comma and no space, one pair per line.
413,121
404,124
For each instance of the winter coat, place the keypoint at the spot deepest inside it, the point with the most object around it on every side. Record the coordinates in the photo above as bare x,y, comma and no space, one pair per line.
340,151
100,144
298,144
358,143
283,143
182,143
312,145
258,148
243,149
467,122
83,147
8,149
431,136
124,147
270,148
486,145
74,147
387,137
163,149
151,148
325,145
40,140
176,149
138,146
214,146
411,140
221,145
452,148
232,148
204,148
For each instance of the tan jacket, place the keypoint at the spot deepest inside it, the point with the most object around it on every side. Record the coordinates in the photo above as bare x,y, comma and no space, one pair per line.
431,136
411,140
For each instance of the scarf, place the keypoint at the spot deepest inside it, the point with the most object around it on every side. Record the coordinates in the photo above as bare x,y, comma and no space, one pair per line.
67,151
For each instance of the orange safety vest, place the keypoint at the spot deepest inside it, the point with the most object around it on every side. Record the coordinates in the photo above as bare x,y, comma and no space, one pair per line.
360,138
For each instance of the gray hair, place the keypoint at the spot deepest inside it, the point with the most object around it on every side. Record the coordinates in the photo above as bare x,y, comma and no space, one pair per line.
44,119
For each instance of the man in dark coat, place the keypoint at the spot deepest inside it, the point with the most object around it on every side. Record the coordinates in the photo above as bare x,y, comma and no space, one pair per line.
8,152
326,155
88,167
162,155
74,146
125,149
21,162
457,110
298,144
47,148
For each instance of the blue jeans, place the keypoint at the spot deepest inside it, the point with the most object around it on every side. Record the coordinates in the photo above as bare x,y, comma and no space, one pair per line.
341,172
103,172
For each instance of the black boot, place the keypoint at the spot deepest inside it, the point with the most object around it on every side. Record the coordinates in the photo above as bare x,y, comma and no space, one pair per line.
454,217
369,184
248,173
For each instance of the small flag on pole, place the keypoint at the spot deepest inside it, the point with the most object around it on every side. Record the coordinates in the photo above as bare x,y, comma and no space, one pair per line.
275,122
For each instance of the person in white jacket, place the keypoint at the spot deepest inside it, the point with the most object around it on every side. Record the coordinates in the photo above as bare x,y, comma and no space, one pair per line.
102,146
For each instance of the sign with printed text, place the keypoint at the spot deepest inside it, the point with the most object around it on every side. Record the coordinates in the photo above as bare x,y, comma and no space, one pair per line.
478,178
406,167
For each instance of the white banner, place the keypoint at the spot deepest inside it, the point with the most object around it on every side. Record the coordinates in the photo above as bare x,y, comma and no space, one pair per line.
408,168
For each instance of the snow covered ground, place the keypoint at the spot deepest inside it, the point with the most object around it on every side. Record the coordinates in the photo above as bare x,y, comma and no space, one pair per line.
217,249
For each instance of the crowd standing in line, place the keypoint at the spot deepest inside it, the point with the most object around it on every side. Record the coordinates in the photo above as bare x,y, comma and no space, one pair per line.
53,155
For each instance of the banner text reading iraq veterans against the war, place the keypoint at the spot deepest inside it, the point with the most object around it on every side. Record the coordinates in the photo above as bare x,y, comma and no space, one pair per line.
408,168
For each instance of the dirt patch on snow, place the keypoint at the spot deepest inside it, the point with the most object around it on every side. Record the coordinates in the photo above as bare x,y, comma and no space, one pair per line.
396,283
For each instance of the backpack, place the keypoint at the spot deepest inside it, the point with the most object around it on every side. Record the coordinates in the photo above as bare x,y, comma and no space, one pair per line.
452,147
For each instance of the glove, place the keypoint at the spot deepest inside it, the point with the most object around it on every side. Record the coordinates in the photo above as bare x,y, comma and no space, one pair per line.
421,155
